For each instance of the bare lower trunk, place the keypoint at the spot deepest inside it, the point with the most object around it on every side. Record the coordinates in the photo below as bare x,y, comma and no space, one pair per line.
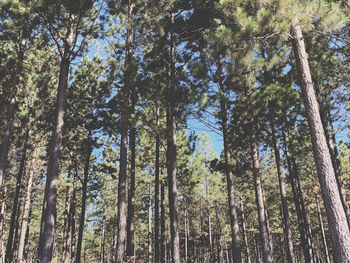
156,196
73,217
220,256
84,196
102,256
162,225
15,205
186,228
236,242
2,225
67,222
264,233
337,220
48,220
324,241
26,211
245,237
149,237
286,220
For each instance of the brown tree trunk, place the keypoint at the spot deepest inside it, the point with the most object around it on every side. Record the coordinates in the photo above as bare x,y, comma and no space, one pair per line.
73,217
171,158
84,196
245,237
26,211
162,225
156,195
130,246
48,220
2,225
186,228
15,205
102,256
286,220
124,127
236,243
264,233
337,220
220,256
324,241
149,236
305,238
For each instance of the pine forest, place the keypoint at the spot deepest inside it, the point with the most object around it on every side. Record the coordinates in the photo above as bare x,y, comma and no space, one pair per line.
174,131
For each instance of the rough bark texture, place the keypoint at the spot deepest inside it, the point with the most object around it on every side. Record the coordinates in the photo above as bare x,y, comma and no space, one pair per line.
324,241
26,211
286,220
162,224
149,236
337,221
245,237
171,159
2,225
84,196
236,243
73,217
48,220
124,127
156,195
264,234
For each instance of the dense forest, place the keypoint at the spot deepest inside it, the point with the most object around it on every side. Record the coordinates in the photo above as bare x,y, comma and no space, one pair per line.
112,113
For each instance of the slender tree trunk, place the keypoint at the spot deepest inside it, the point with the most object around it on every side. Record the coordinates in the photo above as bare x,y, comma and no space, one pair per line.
73,217
102,256
186,228
130,247
15,205
171,159
84,196
156,195
337,221
67,221
5,140
220,256
286,220
264,233
124,127
149,236
2,225
299,202
201,254
26,211
245,237
48,220
324,241
162,225
236,243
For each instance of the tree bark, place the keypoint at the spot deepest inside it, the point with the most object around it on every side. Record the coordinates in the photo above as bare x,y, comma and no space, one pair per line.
26,211
245,237
149,236
186,228
73,216
337,221
124,127
84,196
236,242
67,222
171,159
324,241
286,220
162,224
220,256
156,195
48,220
16,205
102,256
130,247
2,225
264,235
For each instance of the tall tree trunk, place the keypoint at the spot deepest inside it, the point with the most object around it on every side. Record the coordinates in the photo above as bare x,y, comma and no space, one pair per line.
15,205
5,140
171,158
73,216
337,221
2,225
220,256
186,228
102,256
162,224
48,219
124,127
286,220
149,236
84,196
245,237
264,233
236,243
324,241
67,221
26,211
130,246
156,195
299,201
